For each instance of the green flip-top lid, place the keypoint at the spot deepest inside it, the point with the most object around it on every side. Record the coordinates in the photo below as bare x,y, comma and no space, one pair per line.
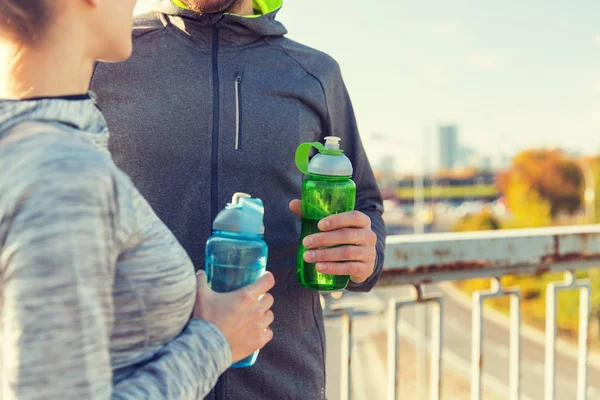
330,160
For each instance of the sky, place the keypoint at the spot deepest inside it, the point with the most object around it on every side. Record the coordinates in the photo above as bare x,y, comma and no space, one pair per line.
511,75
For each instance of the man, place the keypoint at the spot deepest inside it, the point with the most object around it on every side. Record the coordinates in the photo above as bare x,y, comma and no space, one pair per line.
215,100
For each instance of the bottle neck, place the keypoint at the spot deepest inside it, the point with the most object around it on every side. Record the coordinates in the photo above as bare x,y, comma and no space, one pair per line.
329,178
238,234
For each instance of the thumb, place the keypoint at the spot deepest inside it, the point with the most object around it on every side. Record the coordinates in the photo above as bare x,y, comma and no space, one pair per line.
296,207
261,286
202,283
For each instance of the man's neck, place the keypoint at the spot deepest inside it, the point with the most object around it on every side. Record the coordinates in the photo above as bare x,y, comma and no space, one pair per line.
242,7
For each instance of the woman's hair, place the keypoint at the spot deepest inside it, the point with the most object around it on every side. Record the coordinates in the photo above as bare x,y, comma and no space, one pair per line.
24,19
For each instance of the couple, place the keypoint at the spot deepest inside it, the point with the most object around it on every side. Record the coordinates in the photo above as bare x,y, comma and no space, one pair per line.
98,297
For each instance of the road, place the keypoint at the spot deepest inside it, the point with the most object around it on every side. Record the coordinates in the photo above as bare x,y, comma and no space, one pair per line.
457,350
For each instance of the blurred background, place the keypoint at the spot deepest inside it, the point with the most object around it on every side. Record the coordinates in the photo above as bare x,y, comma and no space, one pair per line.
475,116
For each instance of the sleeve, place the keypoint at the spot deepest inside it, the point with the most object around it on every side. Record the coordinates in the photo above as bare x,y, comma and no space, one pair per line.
57,262
341,122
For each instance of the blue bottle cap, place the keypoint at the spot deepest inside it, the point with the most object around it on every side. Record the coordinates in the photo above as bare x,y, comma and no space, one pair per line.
244,215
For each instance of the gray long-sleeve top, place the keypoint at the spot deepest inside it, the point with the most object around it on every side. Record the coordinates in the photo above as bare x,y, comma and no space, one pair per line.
96,294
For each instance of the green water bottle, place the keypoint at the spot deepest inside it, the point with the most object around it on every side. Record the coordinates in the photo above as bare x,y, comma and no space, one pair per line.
328,189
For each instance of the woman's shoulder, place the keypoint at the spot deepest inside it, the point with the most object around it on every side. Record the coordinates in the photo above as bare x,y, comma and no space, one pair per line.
41,156
48,171
35,145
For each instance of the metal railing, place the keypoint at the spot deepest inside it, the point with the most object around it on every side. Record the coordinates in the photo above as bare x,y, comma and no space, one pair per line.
418,260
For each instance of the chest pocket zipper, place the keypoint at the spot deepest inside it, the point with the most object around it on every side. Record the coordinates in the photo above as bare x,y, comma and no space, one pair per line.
238,112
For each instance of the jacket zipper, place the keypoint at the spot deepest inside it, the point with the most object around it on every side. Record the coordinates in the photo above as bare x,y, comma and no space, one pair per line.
238,112
214,195
214,200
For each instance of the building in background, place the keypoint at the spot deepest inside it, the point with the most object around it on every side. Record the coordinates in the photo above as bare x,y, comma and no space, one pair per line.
448,147
387,164
476,160
386,176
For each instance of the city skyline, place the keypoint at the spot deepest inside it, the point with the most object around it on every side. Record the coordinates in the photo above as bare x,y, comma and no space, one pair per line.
511,75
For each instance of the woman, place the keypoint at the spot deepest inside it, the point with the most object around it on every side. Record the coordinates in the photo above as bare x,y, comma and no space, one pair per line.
97,298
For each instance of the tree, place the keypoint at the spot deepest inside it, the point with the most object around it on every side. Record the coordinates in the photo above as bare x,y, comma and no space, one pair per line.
482,221
540,185
593,163
528,208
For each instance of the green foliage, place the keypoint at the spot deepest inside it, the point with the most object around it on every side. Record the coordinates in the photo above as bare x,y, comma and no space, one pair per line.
483,221
527,206
594,164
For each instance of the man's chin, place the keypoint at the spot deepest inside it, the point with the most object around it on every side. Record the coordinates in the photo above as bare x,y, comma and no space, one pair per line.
210,6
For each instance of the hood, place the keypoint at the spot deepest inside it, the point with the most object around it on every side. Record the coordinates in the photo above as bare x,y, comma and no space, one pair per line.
78,112
262,23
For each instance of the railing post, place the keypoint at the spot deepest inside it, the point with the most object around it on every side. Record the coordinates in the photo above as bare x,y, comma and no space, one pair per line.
550,367
435,390
476,345
477,338
346,361
421,349
569,283
393,344
515,346
436,341
584,320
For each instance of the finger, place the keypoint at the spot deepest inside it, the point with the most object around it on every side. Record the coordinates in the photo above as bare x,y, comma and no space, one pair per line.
338,237
267,319
343,253
260,287
201,282
266,302
355,269
296,207
351,219
267,336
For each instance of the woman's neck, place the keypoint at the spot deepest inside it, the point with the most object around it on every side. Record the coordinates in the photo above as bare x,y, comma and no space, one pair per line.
43,72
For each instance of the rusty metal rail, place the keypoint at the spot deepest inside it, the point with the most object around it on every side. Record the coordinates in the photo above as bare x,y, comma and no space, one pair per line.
429,258
417,260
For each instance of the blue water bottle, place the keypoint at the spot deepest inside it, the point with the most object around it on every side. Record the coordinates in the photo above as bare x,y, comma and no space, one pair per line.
236,254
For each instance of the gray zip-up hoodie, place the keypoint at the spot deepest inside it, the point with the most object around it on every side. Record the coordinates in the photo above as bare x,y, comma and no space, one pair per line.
95,292
215,104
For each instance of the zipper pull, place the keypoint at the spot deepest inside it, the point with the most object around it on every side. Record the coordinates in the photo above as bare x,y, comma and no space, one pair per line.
238,111
215,20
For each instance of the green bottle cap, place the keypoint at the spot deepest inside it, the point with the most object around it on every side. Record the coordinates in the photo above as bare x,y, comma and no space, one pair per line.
330,161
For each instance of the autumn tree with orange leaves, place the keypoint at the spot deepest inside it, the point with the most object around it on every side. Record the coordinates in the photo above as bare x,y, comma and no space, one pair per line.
540,185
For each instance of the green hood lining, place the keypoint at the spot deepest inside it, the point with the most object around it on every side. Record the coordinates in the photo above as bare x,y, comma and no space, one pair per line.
261,7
